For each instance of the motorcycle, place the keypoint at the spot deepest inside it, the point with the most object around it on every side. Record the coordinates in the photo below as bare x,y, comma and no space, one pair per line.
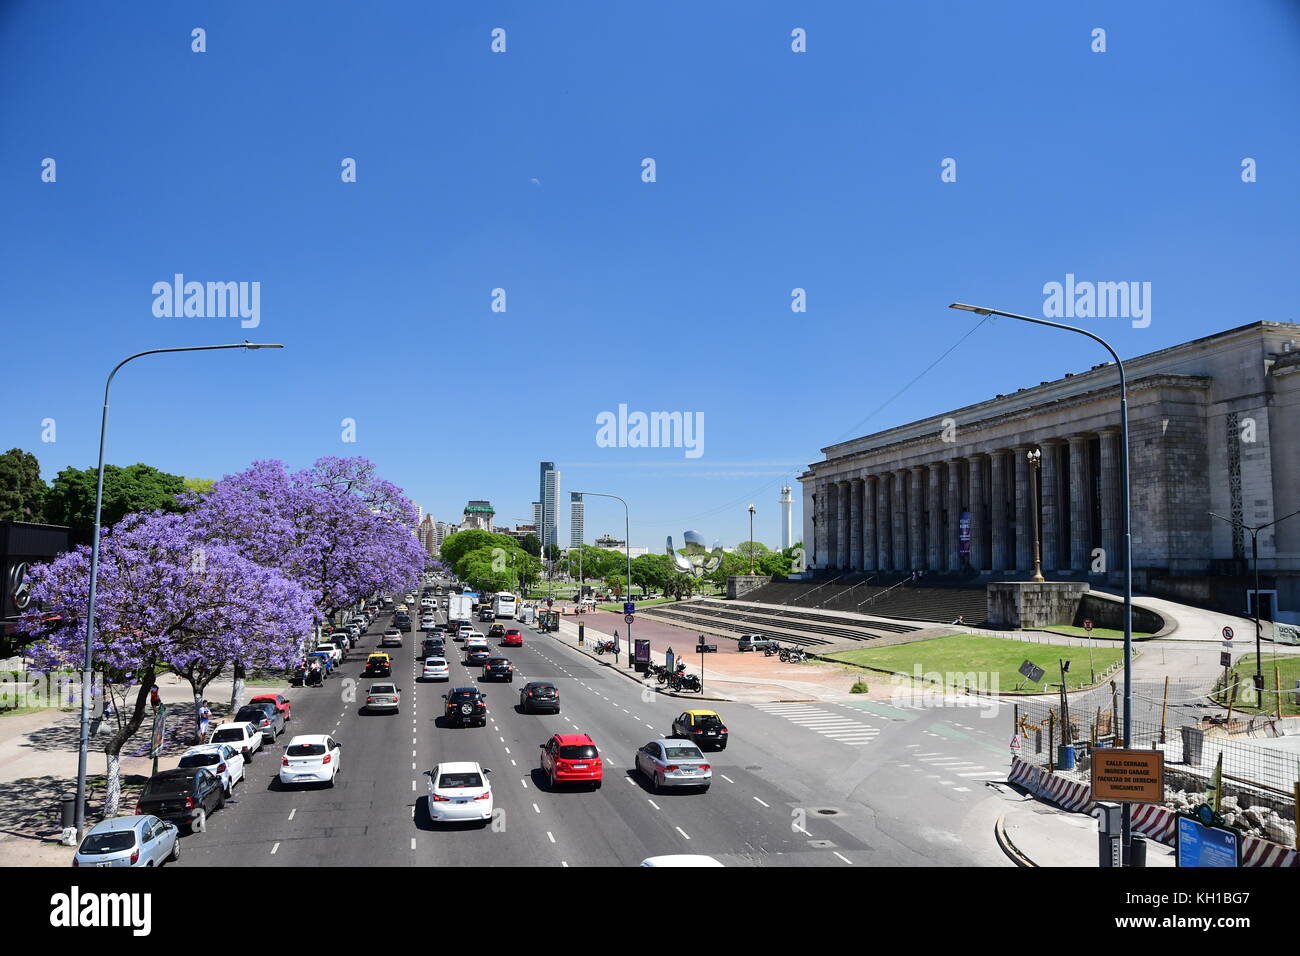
604,646
792,655
773,649
686,682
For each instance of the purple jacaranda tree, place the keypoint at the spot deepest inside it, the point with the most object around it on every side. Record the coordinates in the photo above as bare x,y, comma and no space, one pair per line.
164,596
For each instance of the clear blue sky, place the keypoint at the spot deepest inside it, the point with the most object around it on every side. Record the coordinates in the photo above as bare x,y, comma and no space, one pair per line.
522,170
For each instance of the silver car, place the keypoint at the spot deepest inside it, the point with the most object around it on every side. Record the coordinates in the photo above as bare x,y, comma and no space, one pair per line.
674,763
383,697
129,841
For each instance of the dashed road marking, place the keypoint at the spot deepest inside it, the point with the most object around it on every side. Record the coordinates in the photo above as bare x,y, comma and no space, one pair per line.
682,832
843,857
726,778
550,836
764,804
274,847
292,812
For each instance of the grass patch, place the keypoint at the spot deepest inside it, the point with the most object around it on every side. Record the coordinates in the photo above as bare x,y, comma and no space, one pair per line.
1244,670
985,662
1107,633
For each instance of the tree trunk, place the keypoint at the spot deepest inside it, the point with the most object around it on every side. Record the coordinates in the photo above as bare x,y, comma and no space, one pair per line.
236,694
113,789
125,730
198,727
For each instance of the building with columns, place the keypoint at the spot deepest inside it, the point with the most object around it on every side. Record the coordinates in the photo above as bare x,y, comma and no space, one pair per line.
1214,427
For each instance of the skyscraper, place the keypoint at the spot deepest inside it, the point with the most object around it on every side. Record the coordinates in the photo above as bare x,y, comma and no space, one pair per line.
548,493
576,532
537,518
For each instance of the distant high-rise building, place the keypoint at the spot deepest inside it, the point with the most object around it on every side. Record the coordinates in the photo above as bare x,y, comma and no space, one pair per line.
427,534
787,518
537,518
548,493
576,533
478,514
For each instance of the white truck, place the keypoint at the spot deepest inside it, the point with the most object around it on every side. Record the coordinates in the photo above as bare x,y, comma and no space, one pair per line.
460,606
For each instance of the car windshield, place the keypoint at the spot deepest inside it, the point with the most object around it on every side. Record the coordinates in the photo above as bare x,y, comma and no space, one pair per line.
167,786
544,690
683,753
231,735
458,781
583,752
383,689
108,842
199,760
304,750
708,720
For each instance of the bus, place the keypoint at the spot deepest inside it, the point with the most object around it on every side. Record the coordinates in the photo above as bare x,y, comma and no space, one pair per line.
503,605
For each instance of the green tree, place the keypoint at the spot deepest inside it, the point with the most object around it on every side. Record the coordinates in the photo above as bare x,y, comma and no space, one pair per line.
138,487
552,552
22,491
199,486
532,544
456,545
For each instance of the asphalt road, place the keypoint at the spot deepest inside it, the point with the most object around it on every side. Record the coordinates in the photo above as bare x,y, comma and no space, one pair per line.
814,784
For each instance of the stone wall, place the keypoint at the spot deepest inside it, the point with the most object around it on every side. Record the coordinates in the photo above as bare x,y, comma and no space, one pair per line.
1109,613
1020,604
742,584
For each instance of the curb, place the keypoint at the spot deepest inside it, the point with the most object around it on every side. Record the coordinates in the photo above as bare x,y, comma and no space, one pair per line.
1010,849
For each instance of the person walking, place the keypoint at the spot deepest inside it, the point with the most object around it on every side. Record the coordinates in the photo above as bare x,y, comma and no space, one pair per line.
205,716
155,699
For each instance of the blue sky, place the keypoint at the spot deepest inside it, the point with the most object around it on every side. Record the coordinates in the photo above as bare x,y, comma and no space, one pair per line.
522,171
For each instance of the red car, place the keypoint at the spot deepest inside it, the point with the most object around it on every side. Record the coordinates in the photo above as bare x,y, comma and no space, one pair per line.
572,758
281,704
513,638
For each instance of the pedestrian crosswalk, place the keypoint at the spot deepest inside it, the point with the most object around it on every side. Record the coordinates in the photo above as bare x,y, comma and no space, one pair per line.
835,726
948,765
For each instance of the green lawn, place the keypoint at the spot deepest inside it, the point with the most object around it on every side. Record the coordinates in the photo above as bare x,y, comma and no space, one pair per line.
1289,665
1108,633
618,608
994,661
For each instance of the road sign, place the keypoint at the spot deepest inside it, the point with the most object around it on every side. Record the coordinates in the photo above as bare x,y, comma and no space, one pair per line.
1227,633
629,607
1128,776
629,618
1032,671
1201,845
1225,659
1087,624
1015,743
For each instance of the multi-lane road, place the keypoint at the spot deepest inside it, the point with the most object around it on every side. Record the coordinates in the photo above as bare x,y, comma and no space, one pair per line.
806,783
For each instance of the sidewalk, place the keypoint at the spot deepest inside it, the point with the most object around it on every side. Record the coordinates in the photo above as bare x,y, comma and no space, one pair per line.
1033,833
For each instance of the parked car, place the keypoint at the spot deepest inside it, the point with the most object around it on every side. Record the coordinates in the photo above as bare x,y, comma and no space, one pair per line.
244,737
460,791
183,796
513,638
572,758
326,660
266,717
144,840
704,728
378,665
333,650
222,759
753,642
499,668
674,763
435,668
383,697
465,706
311,758
282,704
539,695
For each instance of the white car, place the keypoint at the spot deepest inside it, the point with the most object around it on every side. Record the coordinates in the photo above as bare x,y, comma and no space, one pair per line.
475,639
333,650
392,638
224,760
140,841
245,737
460,791
310,758
435,668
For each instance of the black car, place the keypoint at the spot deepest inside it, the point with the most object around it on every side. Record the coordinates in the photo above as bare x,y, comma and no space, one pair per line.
402,622
433,647
477,655
496,630
702,728
466,707
539,695
184,797
499,668
265,716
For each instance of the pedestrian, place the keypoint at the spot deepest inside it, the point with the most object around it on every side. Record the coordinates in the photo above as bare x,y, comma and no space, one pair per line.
205,715
155,699
961,619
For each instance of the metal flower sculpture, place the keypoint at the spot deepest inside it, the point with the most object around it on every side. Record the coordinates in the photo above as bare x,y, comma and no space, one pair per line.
698,560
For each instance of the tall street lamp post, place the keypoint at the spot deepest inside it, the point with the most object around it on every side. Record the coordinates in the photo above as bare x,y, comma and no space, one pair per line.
86,677
1035,461
1126,818
1254,560
751,541
627,545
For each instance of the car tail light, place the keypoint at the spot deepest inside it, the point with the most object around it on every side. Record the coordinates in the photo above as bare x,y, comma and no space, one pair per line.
438,798
221,768
327,758
135,857
266,722
284,761
369,700
722,730
530,693
671,768
138,808
189,803
483,796
74,862
705,766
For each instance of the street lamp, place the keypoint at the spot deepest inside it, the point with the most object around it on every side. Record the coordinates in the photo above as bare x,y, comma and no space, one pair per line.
627,544
86,677
751,541
1254,558
1035,460
1126,809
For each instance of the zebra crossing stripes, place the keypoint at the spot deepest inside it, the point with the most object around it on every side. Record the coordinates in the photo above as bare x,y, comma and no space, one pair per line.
834,726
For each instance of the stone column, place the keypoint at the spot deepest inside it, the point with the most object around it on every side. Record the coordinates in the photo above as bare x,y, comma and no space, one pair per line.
952,537
870,545
915,523
884,522
999,560
899,511
1080,505
1112,501
855,524
832,524
819,527
979,526
1051,508
845,525
934,533
1024,498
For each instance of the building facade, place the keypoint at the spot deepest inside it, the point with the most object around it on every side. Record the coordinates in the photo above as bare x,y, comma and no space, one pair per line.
577,531
478,515
1214,427
548,493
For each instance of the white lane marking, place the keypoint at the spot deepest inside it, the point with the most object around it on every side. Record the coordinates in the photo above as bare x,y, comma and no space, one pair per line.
629,780
652,803
726,778
524,782
274,848
764,804
512,762
412,753
962,789
550,836
842,857
682,832
648,724
562,863
292,812
978,773
413,786
412,764
536,808
412,843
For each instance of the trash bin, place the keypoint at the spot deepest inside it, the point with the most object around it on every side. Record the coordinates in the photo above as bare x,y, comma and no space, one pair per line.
68,810
1137,854
1065,757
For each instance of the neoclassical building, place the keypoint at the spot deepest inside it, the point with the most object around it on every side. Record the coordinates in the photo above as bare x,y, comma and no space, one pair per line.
1214,427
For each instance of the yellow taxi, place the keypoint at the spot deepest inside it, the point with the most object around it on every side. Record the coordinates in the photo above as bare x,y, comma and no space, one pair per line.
704,728
379,665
